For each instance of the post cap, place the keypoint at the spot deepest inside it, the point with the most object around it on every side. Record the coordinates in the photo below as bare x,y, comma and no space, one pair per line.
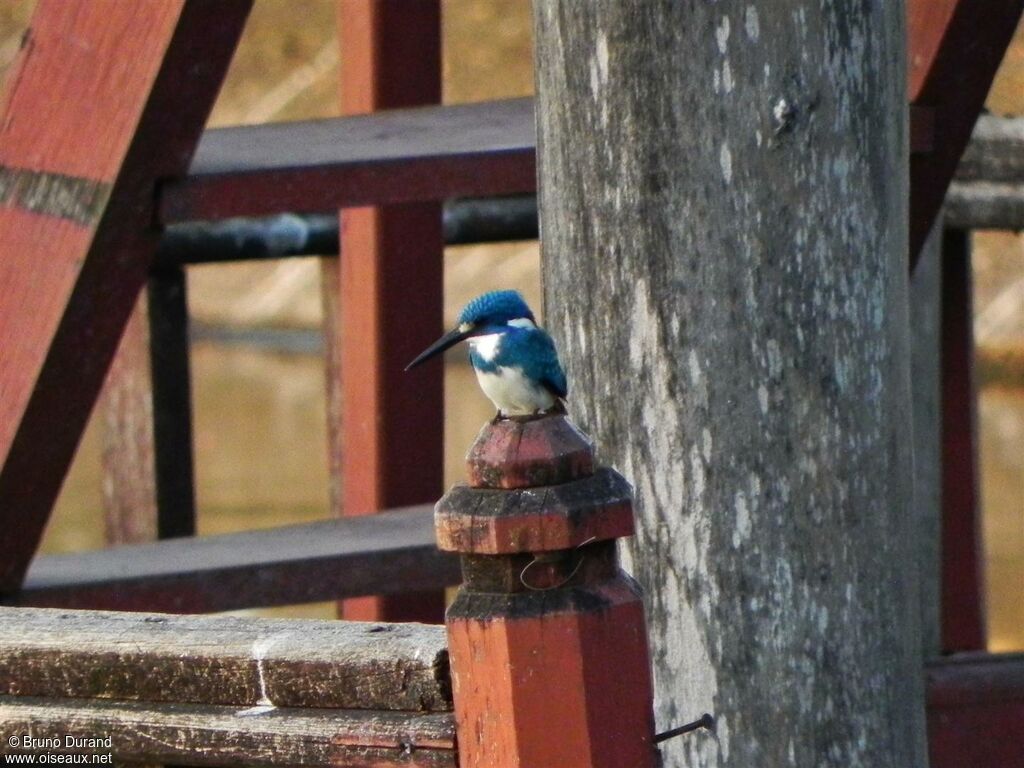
526,453
492,521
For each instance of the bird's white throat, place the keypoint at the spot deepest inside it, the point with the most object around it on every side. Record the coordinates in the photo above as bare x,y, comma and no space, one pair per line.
486,346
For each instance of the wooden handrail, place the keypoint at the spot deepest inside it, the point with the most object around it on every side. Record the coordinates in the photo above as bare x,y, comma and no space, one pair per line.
396,156
385,553
224,690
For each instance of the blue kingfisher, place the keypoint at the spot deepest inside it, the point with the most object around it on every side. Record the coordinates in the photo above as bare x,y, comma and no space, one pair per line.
515,361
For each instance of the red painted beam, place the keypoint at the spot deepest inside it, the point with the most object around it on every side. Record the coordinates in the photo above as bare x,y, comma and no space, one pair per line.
105,99
391,297
962,607
976,711
954,48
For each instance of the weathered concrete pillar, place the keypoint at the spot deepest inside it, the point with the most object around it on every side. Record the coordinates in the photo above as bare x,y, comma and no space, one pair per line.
925,300
724,229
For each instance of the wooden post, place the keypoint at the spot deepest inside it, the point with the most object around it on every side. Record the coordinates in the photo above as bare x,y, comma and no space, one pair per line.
389,278
129,472
546,637
170,366
963,612
724,227
148,487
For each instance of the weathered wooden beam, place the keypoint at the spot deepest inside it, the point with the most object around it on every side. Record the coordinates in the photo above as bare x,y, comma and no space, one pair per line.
391,298
401,156
955,48
389,552
82,141
984,205
232,660
993,145
995,152
988,190
228,736
976,711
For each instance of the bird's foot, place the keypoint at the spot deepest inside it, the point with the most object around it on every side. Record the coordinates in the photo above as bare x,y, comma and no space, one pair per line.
524,417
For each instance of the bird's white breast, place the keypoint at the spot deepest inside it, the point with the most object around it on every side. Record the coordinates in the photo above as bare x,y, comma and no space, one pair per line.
513,393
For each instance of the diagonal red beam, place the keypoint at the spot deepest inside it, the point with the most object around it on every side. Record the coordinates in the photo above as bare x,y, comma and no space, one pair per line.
105,99
955,48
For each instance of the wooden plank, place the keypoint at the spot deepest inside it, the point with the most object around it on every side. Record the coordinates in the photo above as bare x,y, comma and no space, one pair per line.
984,205
995,152
226,736
391,298
988,190
393,139
330,560
976,711
993,157
81,143
399,156
963,623
231,660
955,48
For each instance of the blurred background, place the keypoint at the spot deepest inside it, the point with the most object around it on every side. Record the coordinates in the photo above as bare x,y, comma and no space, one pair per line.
258,372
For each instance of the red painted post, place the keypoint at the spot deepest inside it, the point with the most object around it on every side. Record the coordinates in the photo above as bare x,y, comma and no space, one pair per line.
547,638
963,601
391,299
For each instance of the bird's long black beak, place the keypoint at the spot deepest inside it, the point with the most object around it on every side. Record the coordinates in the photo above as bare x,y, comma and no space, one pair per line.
450,339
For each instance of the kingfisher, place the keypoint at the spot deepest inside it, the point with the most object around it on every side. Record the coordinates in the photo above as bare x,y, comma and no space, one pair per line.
514,359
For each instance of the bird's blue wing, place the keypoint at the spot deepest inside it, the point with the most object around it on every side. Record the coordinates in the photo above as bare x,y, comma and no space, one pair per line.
539,360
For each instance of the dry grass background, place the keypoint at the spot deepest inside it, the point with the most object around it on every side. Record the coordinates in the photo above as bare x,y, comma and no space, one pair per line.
260,415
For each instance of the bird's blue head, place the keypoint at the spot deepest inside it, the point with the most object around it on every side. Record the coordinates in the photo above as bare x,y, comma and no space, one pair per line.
495,309
485,314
